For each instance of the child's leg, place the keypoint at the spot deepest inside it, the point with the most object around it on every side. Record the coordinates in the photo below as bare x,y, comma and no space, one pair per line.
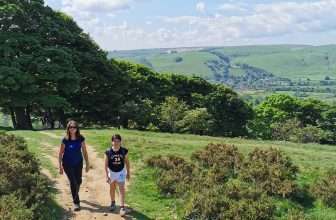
112,191
122,193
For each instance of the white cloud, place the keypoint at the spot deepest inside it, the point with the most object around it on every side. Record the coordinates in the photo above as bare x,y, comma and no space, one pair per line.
233,23
233,8
262,21
200,7
105,6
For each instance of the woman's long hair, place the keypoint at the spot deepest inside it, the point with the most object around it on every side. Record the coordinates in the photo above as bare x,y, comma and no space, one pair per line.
67,133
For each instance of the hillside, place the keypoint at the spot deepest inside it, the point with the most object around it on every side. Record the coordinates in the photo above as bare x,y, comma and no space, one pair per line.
143,194
301,70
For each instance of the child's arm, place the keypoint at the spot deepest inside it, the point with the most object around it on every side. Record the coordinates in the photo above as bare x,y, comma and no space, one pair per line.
128,168
86,157
106,169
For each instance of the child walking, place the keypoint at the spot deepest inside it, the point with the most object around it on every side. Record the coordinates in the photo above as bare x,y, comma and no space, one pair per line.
117,168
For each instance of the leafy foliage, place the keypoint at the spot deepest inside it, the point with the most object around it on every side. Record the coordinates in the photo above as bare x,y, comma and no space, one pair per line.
230,114
23,190
196,121
224,159
233,200
220,183
171,112
271,171
325,188
175,173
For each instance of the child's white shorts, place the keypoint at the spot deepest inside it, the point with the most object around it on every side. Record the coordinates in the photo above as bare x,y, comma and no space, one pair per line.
119,177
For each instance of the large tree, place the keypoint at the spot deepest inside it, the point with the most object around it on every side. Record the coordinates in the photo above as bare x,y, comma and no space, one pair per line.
230,113
56,68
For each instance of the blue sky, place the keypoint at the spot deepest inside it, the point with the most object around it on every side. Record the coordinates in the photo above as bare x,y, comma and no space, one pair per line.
137,24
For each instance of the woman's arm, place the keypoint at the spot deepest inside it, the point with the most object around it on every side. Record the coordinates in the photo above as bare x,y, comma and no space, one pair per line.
60,157
128,168
86,157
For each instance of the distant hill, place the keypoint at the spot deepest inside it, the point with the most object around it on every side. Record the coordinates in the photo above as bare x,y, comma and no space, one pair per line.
303,70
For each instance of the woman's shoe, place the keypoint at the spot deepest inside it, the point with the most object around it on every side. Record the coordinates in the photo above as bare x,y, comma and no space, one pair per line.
76,207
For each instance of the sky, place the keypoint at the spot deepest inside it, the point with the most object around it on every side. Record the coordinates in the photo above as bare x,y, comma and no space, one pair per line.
140,24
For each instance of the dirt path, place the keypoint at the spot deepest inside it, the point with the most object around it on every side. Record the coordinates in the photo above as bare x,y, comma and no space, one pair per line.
94,192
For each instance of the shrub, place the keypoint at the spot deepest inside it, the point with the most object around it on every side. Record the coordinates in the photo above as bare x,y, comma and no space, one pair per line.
292,130
20,176
234,200
284,130
221,184
271,171
176,180
175,174
178,59
295,214
13,208
224,159
325,189
166,163
308,134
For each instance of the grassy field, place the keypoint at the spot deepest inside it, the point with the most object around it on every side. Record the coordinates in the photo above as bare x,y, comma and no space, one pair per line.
294,62
291,61
143,194
5,120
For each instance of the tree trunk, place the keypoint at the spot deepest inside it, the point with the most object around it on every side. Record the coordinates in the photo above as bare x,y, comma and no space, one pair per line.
51,119
13,117
30,124
21,117
62,119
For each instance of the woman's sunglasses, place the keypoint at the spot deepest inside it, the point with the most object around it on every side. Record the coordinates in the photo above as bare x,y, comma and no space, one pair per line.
73,127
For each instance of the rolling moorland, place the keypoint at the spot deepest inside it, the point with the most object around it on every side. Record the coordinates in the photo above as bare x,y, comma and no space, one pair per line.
255,71
145,197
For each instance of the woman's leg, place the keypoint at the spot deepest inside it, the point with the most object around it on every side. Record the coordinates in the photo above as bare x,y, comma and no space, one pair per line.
70,172
78,175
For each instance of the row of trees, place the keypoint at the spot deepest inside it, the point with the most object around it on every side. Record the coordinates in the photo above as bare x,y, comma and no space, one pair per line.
285,117
178,103
51,71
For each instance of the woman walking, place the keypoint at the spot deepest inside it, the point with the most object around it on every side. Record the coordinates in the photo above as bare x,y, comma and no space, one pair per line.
71,154
115,160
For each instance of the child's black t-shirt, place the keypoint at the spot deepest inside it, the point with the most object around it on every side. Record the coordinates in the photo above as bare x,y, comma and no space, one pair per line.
116,159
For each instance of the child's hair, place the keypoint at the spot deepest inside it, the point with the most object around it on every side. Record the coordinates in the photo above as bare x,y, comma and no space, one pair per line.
116,136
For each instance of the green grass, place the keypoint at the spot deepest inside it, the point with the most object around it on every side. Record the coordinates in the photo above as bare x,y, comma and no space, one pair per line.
293,65
193,63
5,121
143,194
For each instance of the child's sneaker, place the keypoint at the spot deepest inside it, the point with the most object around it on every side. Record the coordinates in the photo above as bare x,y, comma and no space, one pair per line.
113,206
122,211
